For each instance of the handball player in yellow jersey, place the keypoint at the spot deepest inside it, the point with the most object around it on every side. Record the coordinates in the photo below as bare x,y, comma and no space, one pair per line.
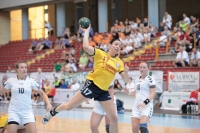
106,65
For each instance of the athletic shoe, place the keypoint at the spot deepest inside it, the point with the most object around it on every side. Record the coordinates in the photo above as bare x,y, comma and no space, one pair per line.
47,117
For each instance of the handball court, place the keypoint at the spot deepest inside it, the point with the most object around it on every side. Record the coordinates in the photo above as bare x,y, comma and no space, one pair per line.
77,121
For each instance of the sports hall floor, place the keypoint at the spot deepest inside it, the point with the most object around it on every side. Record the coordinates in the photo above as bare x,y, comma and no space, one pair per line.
77,121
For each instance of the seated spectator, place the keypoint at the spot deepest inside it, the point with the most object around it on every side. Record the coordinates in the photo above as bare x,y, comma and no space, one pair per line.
70,67
195,58
136,41
147,36
65,56
153,30
185,40
193,25
182,59
134,25
194,98
183,25
139,35
161,27
57,67
46,45
58,44
162,40
98,38
65,43
72,50
175,36
186,19
75,85
63,84
198,38
105,40
130,87
166,31
91,33
67,33
91,43
10,70
117,85
146,22
63,32
33,46
83,61
91,62
56,82
126,49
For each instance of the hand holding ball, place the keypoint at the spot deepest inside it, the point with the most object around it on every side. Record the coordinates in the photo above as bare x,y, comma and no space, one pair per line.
84,22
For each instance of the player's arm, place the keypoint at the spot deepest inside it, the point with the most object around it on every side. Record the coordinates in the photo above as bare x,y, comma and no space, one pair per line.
45,97
89,49
124,74
152,86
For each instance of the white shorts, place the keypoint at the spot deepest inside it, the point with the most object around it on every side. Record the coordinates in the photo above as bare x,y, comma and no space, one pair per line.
99,110
22,118
147,111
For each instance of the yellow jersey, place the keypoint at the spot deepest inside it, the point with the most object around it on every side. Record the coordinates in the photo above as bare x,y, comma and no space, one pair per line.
4,121
105,68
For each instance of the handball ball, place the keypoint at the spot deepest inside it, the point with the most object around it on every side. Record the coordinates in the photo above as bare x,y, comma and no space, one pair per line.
84,22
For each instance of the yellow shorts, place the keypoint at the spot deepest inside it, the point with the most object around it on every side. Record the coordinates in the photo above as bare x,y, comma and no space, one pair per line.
4,121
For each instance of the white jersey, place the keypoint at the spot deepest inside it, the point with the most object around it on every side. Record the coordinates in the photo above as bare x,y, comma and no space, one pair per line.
142,87
21,93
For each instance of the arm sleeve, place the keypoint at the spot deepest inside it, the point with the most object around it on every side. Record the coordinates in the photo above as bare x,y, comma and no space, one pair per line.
151,82
7,85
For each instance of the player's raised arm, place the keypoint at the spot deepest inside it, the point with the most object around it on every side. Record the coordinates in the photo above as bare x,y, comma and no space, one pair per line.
89,49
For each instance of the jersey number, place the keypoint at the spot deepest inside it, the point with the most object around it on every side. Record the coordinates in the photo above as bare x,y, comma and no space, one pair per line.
86,91
21,90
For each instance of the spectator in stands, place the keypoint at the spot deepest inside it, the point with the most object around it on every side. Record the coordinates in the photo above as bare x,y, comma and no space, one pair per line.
183,25
139,23
91,33
185,40
117,85
195,58
91,62
70,67
57,66
147,36
33,46
72,50
162,40
130,87
65,43
46,45
92,43
10,70
166,31
49,28
136,41
98,38
146,22
169,17
186,19
182,59
83,61
67,33
63,84
153,30
175,36
106,40
47,87
40,77
58,44
6,95
75,85
193,25
198,38
63,32
56,82
139,35
133,25
167,21
161,27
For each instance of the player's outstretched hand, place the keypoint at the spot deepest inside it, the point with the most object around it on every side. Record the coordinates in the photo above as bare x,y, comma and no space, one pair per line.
126,68
85,30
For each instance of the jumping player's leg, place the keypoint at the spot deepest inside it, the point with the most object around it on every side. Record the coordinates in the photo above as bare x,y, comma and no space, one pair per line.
95,120
12,128
73,103
109,108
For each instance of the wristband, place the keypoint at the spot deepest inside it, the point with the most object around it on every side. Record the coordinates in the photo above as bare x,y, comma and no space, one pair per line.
146,101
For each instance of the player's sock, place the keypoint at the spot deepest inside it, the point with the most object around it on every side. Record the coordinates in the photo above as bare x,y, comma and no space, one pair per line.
143,128
107,128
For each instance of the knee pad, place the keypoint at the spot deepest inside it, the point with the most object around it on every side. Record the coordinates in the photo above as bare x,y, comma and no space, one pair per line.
143,128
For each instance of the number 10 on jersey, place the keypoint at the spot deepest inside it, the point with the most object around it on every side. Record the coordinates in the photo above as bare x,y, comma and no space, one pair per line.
21,90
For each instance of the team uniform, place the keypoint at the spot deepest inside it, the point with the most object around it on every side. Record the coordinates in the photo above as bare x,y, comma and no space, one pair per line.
142,87
20,107
98,81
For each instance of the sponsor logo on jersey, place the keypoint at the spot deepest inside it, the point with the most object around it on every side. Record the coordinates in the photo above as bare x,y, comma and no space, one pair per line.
117,65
